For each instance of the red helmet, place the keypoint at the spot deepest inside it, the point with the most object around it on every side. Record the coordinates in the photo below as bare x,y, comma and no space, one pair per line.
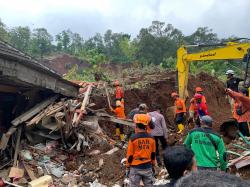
197,96
174,94
198,89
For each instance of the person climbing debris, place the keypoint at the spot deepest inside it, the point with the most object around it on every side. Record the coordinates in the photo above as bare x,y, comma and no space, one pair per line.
141,154
119,111
197,109
199,90
159,132
119,93
206,144
180,111
143,109
241,109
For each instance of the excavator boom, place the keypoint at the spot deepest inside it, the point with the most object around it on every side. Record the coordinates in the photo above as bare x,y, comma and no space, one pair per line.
231,50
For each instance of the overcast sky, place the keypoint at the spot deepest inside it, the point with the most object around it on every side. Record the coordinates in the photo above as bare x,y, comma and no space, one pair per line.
87,17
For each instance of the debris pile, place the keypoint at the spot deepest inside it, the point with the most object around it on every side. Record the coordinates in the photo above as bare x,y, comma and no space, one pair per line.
64,140
239,157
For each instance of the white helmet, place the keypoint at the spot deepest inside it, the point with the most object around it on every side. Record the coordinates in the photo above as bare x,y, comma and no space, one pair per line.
231,72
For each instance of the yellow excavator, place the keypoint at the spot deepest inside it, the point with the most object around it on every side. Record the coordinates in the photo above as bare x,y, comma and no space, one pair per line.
227,51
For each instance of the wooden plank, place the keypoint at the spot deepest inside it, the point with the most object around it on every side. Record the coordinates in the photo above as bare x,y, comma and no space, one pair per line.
19,132
84,105
107,94
4,142
33,111
30,172
117,120
43,181
16,172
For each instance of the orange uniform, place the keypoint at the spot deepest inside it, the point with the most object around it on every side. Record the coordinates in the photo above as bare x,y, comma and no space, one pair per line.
180,106
119,111
119,94
141,150
149,125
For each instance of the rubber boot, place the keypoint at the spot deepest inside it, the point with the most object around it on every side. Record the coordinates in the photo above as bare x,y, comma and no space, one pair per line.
117,132
122,137
181,128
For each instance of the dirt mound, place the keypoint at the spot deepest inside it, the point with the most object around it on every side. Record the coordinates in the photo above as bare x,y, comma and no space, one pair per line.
155,88
63,63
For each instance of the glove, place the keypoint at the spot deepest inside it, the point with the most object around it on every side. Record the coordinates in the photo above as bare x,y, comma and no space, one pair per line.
127,172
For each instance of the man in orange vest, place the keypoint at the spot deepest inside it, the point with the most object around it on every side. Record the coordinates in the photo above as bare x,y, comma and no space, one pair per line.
199,90
180,111
119,94
141,155
143,109
119,111
197,109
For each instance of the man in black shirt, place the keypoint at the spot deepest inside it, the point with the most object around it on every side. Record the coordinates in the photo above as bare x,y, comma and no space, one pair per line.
233,82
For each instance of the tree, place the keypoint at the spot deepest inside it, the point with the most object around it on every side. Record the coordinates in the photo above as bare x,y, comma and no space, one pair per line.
20,38
3,32
41,42
203,35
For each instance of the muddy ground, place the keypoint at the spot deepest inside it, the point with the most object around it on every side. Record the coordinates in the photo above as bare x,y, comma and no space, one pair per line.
156,89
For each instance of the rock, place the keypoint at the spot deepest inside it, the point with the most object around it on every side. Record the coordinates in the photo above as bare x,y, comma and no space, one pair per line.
40,171
101,162
94,152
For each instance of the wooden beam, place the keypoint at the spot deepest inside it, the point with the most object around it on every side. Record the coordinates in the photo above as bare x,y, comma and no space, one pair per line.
83,106
8,89
33,111
107,94
17,147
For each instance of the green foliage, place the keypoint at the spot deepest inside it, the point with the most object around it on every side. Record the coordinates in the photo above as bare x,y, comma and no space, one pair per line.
3,31
41,42
20,37
169,63
156,45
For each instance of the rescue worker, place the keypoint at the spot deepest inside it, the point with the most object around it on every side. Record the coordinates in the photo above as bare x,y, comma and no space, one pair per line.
119,94
119,111
197,109
233,84
241,110
159,132
143,109
180,111
206,144
141,154
199,90
133,112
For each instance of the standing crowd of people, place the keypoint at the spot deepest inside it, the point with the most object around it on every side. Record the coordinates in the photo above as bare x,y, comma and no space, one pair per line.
203,153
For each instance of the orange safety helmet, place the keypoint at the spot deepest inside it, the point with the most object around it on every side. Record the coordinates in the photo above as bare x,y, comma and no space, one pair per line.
198,89
197,96
116,83
174,94
142,119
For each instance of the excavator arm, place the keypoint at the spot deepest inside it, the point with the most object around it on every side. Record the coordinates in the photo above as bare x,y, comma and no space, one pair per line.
231,50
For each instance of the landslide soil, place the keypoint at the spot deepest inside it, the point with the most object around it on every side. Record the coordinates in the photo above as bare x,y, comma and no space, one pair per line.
155,88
